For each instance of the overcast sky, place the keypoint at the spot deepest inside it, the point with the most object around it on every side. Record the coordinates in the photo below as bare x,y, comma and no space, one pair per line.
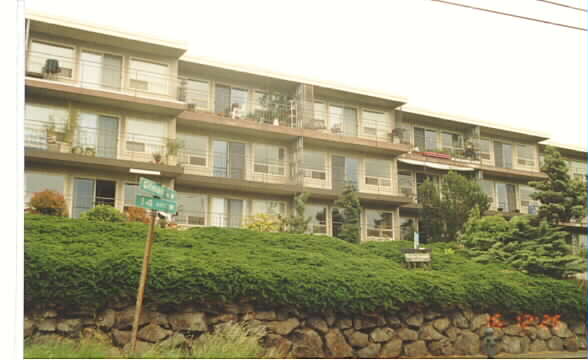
444,58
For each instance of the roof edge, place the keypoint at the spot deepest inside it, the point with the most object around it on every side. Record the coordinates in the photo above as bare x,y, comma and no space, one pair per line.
106,30
288,77
564,146
472,121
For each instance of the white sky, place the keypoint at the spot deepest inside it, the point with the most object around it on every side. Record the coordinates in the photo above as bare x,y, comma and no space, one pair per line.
444,58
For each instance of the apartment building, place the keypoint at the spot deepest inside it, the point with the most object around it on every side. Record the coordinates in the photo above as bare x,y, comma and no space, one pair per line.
104,107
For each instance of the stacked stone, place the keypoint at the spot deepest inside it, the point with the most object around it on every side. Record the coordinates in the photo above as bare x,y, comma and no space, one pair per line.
293,333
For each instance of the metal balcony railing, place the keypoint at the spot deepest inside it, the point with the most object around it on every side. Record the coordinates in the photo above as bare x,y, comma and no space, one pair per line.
104,143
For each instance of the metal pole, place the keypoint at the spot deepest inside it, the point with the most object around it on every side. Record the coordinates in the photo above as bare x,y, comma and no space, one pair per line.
143,280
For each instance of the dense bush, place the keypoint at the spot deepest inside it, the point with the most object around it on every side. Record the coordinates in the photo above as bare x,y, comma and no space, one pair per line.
76,262
104,213
524,242
263,223
137,214
48,202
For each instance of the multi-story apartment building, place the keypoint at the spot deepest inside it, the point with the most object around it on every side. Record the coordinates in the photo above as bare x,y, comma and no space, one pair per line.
105,107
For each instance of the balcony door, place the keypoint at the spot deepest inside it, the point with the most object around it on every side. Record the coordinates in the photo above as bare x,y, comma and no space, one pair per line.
99,132
345,171
101,70
228,159
89,193
226,212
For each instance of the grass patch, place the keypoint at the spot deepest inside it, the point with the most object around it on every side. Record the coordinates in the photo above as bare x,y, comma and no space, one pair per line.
53,349
80,262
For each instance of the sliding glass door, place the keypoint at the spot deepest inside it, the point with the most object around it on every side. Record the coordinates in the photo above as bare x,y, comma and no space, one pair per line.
101,70
228,159
89,193
99,132
345,171
226,212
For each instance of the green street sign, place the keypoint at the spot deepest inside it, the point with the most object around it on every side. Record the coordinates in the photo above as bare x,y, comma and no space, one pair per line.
162,205
157,189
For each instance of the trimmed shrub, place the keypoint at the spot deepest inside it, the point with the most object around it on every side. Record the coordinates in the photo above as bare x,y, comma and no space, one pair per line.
75,263
48,202
104,213
137,214
263,223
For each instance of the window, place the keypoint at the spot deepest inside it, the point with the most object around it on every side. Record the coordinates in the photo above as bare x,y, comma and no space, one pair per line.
526,155
89,193
270,108
149,77
194,150
269,159
42,54
452,143
228,159
38,118
195,92
528,205
405,183
578,170
146,135
35,182
425,140
320,116
268,207
506,196
345,170
191,208
375,124
100,70
231,101
485,153
421,178
314,165
377,172
488,189
503,155
99,132
579,244
318,218
342,120
379,224
226,212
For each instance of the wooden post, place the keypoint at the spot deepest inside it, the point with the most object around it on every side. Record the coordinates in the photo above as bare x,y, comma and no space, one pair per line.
143,280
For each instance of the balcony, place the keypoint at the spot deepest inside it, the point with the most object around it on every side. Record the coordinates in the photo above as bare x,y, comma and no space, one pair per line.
102,77
103,147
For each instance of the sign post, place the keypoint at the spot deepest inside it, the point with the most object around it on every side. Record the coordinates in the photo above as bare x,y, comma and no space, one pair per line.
164,200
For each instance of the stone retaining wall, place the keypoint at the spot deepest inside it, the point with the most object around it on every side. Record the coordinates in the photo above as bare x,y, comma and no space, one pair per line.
293,333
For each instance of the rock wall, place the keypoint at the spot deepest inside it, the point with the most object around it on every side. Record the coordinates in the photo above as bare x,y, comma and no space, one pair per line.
293,333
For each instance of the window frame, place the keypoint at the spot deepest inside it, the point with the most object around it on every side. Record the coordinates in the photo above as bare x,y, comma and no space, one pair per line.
153,62
208,98
313,171
283,166
74,60
380,231
387,131
380,181
123,58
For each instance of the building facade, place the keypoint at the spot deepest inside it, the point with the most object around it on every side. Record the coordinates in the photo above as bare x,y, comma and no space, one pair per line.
104,108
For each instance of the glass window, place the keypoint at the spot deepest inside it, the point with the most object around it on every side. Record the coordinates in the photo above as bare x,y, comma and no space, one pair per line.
194,149
195,92
146,135
239,101
226,212
503,155
578,170
99,132
379,224
528,205
408,226
452,142
526,155
488,189
377,172
318,218
342,121
375,124
131,192
268,207
314,165
100,70
89,193
405,183
42,55
485,149
35,182
269,159
149,77
505,194
320,115
38,119
425,140
191,208
344,171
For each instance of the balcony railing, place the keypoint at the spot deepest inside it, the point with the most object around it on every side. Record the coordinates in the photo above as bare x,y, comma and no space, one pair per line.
103,143
236,166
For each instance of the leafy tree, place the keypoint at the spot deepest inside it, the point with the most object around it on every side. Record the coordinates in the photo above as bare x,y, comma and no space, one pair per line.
525,242
104,213
348,227
263,223
562,198
297,223
445,210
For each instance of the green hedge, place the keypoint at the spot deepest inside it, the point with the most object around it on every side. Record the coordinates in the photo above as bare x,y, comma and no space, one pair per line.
80,262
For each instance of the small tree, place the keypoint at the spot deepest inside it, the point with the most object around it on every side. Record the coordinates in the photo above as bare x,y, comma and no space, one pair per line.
350,226
562,198
263,223
445,211
48,202
297,222
104,213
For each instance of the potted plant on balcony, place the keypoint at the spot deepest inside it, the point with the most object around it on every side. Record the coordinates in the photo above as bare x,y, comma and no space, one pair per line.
90,151
173,146
157,158
397,135
469,151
